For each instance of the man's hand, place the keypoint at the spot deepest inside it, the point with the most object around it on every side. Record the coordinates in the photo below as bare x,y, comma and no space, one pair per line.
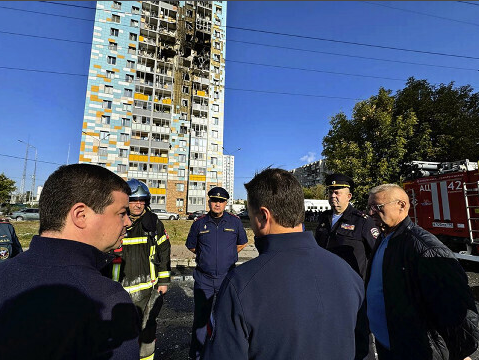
240,247
162,289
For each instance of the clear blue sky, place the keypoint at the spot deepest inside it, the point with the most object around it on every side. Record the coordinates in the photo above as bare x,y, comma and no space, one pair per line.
271,129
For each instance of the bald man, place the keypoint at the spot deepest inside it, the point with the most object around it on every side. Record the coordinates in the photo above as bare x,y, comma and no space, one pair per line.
419,303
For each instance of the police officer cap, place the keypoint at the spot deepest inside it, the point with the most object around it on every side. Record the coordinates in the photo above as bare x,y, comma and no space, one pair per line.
339,181
219,192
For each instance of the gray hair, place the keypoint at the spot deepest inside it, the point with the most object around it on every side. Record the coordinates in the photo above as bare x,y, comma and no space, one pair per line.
384,188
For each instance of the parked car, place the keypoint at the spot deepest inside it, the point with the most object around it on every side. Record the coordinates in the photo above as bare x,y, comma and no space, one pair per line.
165,215
195,215
26,214
243,215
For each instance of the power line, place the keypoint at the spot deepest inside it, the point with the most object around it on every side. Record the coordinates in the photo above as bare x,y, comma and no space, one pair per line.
290,35
352,56
313,70
46,37
72,5
468,2
42,71
420,13
351,43
21,158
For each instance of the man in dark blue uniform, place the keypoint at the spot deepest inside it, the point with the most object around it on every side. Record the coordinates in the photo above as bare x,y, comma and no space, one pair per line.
9,244
216,238
343,230
295,300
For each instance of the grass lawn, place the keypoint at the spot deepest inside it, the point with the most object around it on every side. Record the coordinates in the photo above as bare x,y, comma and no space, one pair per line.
176,229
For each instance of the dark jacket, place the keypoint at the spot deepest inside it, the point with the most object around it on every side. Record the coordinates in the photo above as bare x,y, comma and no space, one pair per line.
144,258
216,250
55,304
352,237
294,301
9,244
426,297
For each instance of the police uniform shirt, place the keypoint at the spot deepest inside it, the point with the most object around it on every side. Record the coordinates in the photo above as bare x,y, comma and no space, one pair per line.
352,237
215,245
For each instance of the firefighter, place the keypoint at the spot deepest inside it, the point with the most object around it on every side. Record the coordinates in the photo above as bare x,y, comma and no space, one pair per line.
343,230
9,244
216,238
142,264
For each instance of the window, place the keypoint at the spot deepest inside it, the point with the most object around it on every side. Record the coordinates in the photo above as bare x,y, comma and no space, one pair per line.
196,201
214,161
123,137
183,130
108,89
216,121
181,172
121,168
189,13
217,45
216,107
128,93
103,151
106,104
214,147
212,174
113,32
182,158
113,46
130,64
111,60
218,11
125,122
110,74
115,18
179,202
133,37
123,152
131,50
214,133
134,23
185,90
216,57
116,5
216,69
184,102
180,187
182,143
217,34
135,10
126,107
104,135
217,94
105,119
129,78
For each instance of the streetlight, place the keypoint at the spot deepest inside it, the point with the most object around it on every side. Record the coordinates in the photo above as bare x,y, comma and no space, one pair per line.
99,140
224,150
22,187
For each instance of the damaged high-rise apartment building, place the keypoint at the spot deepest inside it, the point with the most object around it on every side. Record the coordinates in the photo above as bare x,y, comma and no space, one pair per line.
155,98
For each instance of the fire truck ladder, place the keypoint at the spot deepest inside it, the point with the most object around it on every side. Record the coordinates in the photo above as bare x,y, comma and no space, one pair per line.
471,190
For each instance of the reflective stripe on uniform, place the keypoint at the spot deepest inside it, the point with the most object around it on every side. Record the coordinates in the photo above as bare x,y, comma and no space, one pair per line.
139,287
149,357
152,266
116,272
136,240
164,274
161,239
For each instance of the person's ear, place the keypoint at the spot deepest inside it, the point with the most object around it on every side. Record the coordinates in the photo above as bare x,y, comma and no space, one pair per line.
79,214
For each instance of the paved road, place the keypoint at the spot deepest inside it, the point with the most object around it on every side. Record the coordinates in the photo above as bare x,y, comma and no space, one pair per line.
176,317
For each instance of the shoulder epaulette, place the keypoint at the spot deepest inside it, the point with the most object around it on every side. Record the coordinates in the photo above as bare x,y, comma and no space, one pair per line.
359,213
236,216
201,217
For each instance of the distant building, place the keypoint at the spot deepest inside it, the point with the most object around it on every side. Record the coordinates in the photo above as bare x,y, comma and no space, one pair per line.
154,106
229,176
311,174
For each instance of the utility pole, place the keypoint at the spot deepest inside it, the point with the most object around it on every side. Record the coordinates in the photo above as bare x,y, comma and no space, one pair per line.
22,186
33,176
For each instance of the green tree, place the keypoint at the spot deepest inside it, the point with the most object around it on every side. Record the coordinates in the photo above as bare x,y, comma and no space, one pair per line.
7,186
317,191
371,147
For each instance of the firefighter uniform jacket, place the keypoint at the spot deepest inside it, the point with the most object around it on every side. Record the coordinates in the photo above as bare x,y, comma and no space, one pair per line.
144,258
352,237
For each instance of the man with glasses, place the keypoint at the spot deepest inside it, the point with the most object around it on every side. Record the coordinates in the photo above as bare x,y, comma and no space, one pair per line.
344,230
216,238
419,303
142,263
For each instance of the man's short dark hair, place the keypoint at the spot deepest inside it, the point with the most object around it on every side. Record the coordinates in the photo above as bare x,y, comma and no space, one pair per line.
279,192
70,184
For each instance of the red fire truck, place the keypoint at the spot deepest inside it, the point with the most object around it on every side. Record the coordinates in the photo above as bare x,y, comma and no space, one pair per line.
445,201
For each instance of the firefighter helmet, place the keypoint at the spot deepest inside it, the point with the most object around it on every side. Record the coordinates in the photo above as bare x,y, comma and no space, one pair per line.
139,191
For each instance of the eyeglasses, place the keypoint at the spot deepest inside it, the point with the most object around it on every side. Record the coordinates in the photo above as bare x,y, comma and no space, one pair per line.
379,207
214,200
